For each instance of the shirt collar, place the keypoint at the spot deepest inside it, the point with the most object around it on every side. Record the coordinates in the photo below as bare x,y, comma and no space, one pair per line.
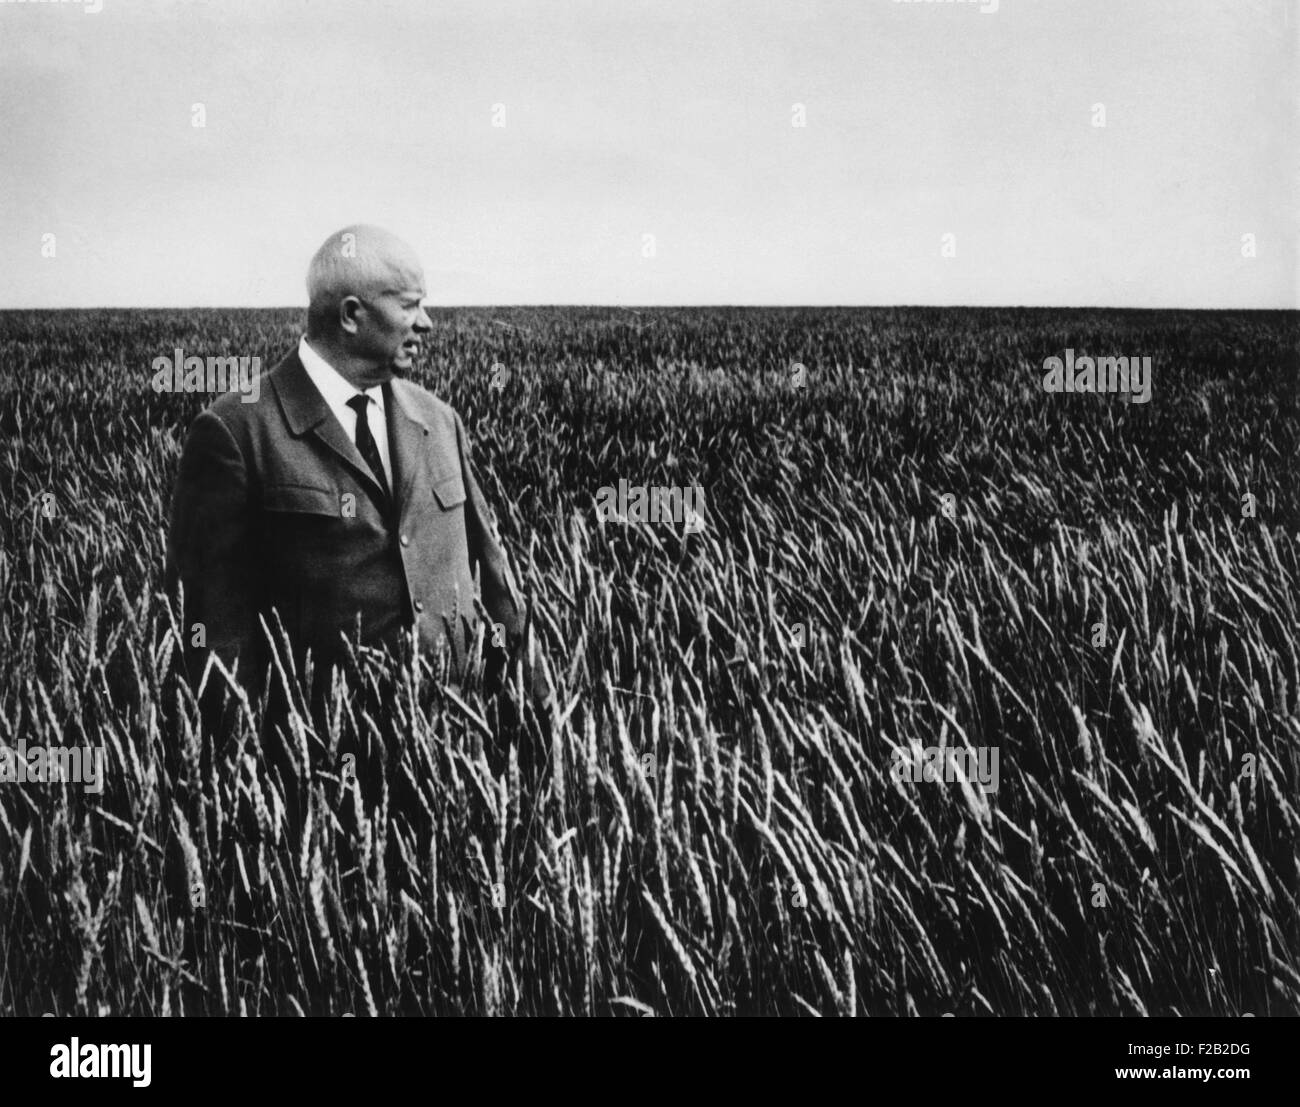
331,384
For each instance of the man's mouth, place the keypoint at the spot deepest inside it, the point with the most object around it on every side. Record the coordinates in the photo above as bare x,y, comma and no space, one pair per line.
411,347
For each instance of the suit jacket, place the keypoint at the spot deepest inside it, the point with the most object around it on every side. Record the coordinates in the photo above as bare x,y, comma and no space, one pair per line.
275,509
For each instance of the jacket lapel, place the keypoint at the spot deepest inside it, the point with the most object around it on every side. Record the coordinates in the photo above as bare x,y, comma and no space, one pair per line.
407,444
306,411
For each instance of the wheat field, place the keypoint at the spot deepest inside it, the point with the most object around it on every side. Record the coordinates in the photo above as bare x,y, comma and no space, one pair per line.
918,545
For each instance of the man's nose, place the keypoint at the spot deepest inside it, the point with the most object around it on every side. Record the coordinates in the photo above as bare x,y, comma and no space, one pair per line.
422,321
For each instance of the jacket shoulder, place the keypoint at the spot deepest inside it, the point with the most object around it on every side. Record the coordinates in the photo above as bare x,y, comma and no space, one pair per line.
434,411
237,409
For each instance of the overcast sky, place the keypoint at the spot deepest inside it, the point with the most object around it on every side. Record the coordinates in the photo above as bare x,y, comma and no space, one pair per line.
669,118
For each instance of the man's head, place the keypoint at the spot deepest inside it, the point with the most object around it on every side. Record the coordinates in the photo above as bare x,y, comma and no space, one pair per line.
364,291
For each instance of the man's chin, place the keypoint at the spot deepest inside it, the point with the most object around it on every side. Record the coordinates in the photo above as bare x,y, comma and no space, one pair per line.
402,364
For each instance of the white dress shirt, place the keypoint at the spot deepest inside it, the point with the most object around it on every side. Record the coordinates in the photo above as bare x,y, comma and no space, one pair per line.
336,390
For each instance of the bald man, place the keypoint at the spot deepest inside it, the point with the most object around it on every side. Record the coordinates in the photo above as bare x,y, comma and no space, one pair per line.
344,499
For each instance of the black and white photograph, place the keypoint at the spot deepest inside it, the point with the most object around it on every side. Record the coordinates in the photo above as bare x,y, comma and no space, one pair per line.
729,508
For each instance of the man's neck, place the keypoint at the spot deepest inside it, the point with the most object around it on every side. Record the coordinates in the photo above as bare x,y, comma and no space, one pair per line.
357,372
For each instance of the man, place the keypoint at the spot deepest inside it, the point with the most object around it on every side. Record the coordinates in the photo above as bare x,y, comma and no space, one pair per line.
343,499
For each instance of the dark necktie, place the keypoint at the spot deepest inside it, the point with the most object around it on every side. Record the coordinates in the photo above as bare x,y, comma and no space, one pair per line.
360,403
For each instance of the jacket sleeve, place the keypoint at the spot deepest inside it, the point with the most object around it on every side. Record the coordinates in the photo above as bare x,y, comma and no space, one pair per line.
501,597
209,549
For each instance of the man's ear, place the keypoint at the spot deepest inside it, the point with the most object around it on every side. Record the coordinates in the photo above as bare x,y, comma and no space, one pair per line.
350,309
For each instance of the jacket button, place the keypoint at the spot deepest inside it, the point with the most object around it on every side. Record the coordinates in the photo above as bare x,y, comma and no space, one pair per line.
419,605
405,539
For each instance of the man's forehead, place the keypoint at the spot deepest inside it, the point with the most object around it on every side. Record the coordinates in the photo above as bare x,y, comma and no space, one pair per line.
414,291
405,282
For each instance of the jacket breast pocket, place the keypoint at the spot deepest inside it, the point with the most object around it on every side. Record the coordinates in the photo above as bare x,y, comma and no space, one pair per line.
449,491
301,499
